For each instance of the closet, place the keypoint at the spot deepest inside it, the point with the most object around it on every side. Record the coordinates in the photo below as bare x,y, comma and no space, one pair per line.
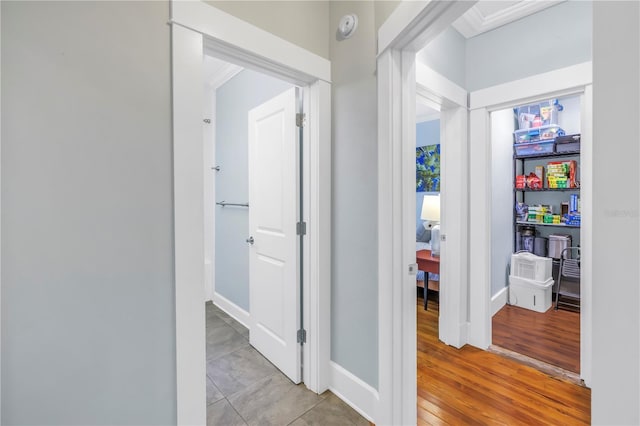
536,197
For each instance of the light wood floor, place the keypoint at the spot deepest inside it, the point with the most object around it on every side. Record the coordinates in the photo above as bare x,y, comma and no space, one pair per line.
552,337
469,386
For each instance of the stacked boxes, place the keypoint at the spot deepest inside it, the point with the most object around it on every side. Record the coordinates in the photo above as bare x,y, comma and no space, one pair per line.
562,174
537,213
530,282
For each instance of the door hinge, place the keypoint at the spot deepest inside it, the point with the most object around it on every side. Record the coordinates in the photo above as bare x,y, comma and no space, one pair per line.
302,336
300,119
301,228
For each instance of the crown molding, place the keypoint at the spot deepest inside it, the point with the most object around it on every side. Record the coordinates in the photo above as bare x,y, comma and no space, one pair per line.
225,73
474,22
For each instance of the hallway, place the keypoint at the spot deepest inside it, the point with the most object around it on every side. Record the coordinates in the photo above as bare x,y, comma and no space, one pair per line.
471,386
243,388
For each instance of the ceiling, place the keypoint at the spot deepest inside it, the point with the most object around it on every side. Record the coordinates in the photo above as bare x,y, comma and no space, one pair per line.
487,15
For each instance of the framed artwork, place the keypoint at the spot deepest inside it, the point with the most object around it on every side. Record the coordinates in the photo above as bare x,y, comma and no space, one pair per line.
428,168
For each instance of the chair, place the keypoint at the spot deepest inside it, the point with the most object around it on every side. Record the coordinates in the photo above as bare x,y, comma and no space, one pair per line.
569,268
421,281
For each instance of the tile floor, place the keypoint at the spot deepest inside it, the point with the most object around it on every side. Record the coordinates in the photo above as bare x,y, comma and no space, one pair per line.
243,388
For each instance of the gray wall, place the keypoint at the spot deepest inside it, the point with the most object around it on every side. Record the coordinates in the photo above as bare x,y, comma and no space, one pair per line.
446,54
304,23
234,100
354,290
427,133
616,108
88,324
383,9
554,38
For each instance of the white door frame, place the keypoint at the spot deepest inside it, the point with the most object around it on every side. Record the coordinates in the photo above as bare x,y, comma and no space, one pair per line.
575,79
196,26
410,27
451,100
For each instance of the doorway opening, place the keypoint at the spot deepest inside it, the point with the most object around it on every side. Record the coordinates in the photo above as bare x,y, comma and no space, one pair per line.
533,183
396,68
199,28
253,203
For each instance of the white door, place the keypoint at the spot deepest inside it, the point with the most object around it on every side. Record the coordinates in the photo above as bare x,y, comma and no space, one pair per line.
273,188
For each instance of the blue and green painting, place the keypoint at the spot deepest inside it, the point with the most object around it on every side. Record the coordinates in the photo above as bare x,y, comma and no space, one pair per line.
428,168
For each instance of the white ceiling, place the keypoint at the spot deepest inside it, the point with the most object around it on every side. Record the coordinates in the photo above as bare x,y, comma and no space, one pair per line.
425,113
487,15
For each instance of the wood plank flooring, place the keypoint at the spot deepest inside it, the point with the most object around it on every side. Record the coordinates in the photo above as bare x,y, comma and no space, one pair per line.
552,337
470,386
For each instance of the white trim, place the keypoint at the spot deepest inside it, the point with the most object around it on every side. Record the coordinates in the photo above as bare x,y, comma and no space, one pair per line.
499,300
586,236
233,310
227,35
318,189
414,23
479,229
440,85
569,79
353,391
389,263
209,182
224,74
0,241
474,22
410,25
407,295
188,226
454,224
228,29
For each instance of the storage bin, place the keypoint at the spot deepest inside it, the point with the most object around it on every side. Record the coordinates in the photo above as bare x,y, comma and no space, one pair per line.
535,134
557,243
546,112
569,143
530,266
530,294
534,148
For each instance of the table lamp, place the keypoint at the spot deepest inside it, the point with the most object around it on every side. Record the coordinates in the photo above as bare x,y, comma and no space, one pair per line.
431,214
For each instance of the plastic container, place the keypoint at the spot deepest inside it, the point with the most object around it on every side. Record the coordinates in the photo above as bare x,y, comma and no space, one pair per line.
540,246
557,243
534,148
545,113
530,294
530,266
568,143
535,134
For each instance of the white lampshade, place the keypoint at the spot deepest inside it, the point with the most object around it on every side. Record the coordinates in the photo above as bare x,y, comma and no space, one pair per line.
431,208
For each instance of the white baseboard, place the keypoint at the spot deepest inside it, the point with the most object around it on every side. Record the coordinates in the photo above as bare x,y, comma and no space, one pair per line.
353,391
233,310
499,300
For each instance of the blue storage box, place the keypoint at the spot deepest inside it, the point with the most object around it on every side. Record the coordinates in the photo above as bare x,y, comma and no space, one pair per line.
533,148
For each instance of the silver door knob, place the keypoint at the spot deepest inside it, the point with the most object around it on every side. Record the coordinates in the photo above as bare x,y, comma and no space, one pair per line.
250,240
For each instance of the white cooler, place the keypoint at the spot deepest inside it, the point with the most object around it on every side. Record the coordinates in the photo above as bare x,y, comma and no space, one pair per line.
530,294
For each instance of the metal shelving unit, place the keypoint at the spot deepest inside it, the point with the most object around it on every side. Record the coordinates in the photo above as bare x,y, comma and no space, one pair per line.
522,159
